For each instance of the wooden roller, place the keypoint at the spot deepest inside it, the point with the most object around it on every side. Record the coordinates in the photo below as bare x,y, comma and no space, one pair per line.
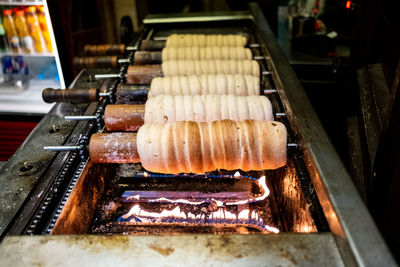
75,95
114,148
200,108
220,84
168,53
147,57
96,62
119,49
196,147
144,74
152,45
124,117
104,49
125,94
131,93
175,40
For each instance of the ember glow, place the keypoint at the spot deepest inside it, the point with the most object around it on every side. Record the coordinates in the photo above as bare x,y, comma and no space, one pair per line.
177,215
218,208
308,228
263,185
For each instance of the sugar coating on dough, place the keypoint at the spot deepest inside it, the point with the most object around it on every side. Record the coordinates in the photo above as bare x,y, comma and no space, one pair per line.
203,40
198,67
205,53
202,108
220,84
198,147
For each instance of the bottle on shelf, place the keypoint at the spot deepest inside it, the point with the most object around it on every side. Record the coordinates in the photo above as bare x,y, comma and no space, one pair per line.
6,63
11,31
43,26
34,30
14,11
3,38
22,29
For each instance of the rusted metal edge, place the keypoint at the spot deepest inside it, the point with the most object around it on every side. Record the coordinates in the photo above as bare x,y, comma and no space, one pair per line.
357,236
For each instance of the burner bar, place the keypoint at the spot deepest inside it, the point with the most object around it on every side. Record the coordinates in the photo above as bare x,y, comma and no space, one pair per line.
190,197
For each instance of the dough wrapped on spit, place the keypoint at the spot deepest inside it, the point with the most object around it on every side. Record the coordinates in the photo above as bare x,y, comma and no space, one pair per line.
168,53
191,67
220,84
200,108
203,40
196,147
205,53
144,74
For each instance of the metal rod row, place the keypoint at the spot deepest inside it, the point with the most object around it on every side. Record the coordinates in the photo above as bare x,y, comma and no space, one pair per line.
74,148
93,117
61,148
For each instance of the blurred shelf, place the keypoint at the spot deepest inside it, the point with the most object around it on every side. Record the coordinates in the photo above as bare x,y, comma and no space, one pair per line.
28,101
11,54
24,3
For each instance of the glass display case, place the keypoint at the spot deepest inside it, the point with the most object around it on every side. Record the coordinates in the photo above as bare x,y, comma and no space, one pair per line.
28,57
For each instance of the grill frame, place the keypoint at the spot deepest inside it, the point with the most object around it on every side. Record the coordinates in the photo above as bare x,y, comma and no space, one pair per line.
356,236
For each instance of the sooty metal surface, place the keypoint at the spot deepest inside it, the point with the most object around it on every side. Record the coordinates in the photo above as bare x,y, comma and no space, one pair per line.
30,165
185,250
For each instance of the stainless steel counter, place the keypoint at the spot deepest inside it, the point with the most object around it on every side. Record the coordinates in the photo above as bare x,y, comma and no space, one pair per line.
187,250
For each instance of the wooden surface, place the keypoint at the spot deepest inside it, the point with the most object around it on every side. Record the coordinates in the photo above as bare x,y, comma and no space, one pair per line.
12,135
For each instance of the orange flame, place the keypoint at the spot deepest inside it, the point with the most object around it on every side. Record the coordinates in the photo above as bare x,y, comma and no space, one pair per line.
138,214
260,182
244,215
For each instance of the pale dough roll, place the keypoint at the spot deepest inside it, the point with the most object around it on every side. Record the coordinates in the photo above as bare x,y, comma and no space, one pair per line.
205,53
202,40
197,67
220,84
194,147
201,108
